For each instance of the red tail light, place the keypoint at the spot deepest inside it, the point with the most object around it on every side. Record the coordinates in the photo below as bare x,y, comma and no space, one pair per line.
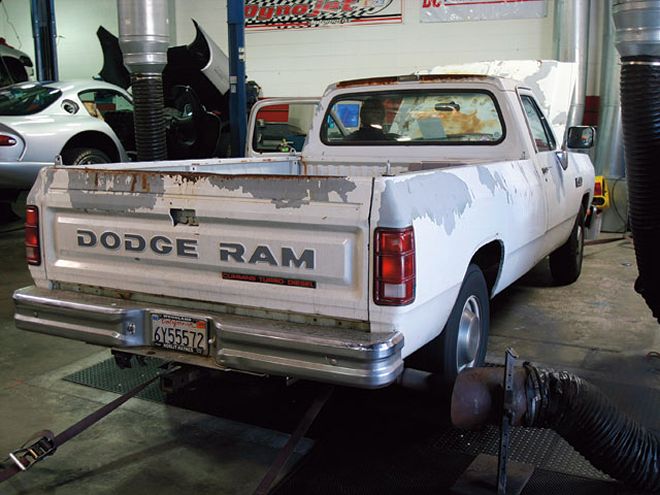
598,188
7,140
32,244
394,265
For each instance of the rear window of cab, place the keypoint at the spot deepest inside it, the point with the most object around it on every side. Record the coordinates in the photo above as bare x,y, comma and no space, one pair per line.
408,118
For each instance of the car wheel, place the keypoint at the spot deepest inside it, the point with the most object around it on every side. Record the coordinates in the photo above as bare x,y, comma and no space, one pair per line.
84,156
566,260
464,339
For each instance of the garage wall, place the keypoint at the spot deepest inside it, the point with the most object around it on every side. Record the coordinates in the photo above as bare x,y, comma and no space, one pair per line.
78,49
303,62
16,25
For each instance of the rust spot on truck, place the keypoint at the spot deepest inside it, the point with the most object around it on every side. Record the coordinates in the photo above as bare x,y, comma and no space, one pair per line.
425,78
123,295
143,188
84,184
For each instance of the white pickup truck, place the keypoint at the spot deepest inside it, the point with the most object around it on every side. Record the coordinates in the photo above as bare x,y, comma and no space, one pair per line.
415,200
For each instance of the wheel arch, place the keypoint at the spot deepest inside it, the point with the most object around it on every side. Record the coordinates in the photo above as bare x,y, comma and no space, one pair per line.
585,202
489,258
93,139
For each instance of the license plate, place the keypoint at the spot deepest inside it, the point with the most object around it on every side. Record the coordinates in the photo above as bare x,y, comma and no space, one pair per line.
180,333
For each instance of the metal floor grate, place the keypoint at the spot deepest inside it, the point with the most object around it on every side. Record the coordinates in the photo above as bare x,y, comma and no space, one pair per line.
541,448
420,443
107,376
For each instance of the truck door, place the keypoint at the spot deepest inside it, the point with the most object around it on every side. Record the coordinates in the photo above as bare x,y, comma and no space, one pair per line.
553,169
279,126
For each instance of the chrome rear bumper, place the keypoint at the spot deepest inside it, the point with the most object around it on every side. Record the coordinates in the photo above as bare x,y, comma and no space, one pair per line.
329,354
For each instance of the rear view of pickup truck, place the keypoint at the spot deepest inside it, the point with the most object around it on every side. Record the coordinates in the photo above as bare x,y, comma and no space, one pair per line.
215,269
334,266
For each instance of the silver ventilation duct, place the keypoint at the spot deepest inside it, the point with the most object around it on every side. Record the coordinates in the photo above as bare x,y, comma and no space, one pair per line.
609,160
637,28
144,39
609,149
571,44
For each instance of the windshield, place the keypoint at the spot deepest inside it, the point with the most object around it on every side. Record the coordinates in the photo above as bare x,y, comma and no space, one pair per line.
26,99
419,117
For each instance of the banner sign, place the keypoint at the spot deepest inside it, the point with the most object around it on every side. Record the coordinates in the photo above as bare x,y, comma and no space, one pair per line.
291,14
475,10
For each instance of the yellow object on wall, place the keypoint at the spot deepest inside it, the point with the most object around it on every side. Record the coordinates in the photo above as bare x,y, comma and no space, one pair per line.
601,193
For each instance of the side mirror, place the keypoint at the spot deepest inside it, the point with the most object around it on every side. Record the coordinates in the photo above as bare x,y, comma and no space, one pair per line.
580,137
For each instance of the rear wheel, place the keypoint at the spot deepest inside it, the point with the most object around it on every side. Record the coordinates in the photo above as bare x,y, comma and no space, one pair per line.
566,260
84,156
463,342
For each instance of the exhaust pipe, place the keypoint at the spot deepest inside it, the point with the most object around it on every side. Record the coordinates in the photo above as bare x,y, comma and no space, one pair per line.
638,41
144,39
574,408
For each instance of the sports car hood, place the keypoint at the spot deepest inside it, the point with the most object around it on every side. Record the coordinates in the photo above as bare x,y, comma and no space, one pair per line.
202,65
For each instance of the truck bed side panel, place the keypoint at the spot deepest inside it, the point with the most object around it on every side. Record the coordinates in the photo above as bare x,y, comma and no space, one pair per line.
454,212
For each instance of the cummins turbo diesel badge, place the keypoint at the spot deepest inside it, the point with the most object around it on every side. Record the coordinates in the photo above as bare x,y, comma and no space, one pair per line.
264,279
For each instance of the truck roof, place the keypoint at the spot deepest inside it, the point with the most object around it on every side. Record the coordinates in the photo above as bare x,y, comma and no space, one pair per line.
501,83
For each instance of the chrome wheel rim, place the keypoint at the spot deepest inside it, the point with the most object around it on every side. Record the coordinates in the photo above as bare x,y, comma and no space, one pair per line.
469,334
580,243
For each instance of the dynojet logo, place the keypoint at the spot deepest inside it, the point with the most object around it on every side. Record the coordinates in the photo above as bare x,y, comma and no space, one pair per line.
285,14
229,252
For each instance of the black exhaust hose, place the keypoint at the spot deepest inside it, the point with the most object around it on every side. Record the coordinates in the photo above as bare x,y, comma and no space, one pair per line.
640,113
150,138
585,418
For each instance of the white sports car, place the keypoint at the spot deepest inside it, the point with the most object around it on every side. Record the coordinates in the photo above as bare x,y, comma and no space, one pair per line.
82,121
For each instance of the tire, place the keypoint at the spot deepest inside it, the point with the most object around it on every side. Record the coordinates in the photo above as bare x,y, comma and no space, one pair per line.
566,260
464,339
84,156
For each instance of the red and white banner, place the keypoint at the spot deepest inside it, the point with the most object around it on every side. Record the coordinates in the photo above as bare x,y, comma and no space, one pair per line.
480,10
291,14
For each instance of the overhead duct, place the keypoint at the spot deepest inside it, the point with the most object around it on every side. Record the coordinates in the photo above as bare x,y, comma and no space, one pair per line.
609,148
608,160
144,39
571,44
638,41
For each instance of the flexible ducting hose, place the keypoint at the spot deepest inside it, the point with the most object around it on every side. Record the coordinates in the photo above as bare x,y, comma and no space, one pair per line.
144,39
638,41
585,418
574,408
640,113
150,138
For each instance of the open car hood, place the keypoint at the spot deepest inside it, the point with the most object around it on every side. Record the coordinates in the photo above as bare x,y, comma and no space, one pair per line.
201,65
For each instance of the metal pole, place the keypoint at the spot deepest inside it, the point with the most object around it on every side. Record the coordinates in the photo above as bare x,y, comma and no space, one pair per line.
237,91
45,39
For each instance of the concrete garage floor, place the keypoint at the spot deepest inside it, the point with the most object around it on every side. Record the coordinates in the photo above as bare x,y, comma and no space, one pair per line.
597,327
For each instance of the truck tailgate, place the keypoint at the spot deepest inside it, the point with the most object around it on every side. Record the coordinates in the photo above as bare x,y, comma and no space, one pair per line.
285,243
